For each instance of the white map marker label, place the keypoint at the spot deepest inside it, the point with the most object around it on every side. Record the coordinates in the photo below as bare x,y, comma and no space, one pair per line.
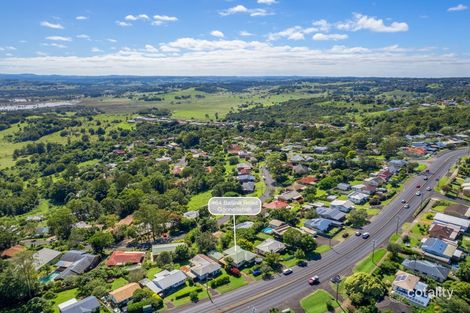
234,206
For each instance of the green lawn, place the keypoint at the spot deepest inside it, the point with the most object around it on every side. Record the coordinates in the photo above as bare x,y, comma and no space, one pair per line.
322,249
199,200
366,265
152,271
316,302
235,282
178,302
64,296
118,283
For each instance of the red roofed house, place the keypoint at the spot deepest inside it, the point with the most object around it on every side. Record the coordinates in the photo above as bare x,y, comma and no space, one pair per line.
12,251
233,149
276,204
308,180
125,257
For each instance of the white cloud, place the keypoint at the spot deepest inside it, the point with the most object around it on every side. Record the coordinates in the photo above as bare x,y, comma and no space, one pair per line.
96,50
217,33
361,21
81,18
141,17
58,38
322,25
41,53
83,36
111,40
163,19
150,48
268,2
51,25
237,57
123,24
292,33
333,37
459,7
58,45
242,9
244,33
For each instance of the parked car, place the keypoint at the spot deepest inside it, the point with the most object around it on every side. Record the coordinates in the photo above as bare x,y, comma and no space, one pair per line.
256,272
358,233
235,272
345,235
313,280
365,235
287,271
302,263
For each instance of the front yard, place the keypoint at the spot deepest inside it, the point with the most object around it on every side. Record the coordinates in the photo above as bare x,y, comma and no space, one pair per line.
317,302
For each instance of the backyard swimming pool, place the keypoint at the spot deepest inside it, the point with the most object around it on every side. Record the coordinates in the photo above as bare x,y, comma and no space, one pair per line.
267,230
49,278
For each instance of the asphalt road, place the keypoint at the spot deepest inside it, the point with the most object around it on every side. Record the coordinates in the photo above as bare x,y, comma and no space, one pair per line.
262,295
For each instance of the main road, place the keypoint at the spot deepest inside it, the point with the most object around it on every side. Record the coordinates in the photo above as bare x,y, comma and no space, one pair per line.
262,295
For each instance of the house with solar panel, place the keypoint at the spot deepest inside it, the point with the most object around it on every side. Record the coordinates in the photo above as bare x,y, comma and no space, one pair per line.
411,288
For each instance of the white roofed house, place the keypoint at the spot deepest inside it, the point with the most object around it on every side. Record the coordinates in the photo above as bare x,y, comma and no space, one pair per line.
270,245
203,267
358,197
239,256
44,257
342,205
167,282
408,286
462,223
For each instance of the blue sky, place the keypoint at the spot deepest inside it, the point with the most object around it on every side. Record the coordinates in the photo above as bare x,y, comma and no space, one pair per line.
229,37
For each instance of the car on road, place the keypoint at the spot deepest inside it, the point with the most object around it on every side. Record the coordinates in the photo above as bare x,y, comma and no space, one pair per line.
418,193
302,263
365,235
403,201
418,186
428,188
287,271
358,233
406,206
313,280
425,178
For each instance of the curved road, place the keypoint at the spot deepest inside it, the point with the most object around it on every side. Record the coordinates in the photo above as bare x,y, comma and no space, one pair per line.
260,296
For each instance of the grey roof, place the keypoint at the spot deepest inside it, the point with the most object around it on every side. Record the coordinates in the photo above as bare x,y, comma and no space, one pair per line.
428,268
321,224
76,263
88,305
203,265
165,279
239,255
169,247
271,245
248,186
44,256
330,213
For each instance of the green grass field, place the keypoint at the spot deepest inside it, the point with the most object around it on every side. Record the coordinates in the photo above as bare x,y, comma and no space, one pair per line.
367,265
316,302
64,296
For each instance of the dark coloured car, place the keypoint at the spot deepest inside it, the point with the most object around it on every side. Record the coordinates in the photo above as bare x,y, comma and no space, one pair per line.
345,235
302,263
256,272
365,235
313,280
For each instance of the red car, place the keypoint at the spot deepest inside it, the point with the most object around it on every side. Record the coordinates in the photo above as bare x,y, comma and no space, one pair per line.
235,272
313,280
418,186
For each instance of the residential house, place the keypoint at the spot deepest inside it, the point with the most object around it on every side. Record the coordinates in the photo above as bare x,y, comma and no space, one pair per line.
297,159
452,220
167,282
342,205
276,224
248,187
358,197
307,180
373,181
290,196
75,262
458,210
296,187
331,214
246,178
12,251
125,258
276,204
44,257
87,305
300,169
191,215
203,267
466,187
440,250
320,150
322,225
270,245
169,247
366,189
408,286
244,225
426,268
239,256
444,231
343,186
41,231
121,296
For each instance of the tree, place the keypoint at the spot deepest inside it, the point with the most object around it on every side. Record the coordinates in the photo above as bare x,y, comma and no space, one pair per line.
85,209
362,288
101,240
464,272
358,218
182,253
164,258
394,249
299,254
273,260
60,222
206,242
452,305
154,218
294,238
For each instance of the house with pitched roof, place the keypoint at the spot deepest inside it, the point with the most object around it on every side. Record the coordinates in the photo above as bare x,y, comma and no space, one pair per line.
168,247
462,223
332,214
125,258
276,204
342,205
167,282
44,257
270,245
203,267
239,256
12,251
440,250
428,269
409,286
75,262
322,225
122,295
444,231
87,305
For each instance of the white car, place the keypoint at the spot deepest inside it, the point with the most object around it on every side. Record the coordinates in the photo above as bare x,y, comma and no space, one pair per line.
418,193
287,271
428,188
